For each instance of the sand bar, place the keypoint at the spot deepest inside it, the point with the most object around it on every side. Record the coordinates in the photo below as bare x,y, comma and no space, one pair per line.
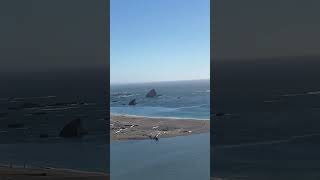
135,128
47,174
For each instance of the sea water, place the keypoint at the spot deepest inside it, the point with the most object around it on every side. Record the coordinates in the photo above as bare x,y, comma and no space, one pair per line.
179,99
185,157
273,130
42,104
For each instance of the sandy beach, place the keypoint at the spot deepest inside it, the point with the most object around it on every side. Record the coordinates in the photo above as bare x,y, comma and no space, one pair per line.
135,128
18,173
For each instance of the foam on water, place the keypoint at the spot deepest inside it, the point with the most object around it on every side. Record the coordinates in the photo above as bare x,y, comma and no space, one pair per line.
186,99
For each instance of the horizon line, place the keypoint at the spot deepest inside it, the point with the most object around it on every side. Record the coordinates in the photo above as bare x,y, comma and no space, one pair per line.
162,81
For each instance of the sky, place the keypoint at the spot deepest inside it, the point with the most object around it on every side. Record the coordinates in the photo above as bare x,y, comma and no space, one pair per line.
251,29
43,35
159,40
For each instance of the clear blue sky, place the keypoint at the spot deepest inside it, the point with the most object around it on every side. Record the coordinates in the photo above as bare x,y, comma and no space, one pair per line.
159,40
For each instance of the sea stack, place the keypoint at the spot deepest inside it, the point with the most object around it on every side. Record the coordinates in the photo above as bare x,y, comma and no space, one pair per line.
73,129
132,102
152,93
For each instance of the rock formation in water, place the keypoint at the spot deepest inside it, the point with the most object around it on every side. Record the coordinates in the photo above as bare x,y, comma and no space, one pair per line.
132,102
73,129
152,93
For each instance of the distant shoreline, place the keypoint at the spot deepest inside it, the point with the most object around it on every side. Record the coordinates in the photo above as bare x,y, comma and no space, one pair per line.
128,127
20,173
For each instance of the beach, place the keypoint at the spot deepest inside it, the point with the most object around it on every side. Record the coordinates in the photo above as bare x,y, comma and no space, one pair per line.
161,137
137,127
19,173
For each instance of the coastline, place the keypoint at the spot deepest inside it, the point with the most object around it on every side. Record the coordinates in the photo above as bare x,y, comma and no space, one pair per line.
20,173
160,117
131,127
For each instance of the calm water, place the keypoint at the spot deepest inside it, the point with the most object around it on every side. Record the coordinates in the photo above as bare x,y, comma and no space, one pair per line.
184,157
184,99
42,104
87,156
273,131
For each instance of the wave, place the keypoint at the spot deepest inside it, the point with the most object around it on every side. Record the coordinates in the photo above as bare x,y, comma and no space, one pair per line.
157,117
57,109
290,139
191,107
201,91
204,91
313,92
187,112
302,94
289,95
13,99
34,97
57,169
126,96
123,94
271,101
165,108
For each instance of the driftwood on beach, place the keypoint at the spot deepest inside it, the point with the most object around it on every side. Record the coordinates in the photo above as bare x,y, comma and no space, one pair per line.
132,127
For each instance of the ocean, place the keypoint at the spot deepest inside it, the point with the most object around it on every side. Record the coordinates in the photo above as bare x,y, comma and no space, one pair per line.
180,99
184,157
272,129
34,107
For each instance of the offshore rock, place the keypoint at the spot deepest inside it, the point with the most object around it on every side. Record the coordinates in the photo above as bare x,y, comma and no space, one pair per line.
132,102
73,129
152,93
